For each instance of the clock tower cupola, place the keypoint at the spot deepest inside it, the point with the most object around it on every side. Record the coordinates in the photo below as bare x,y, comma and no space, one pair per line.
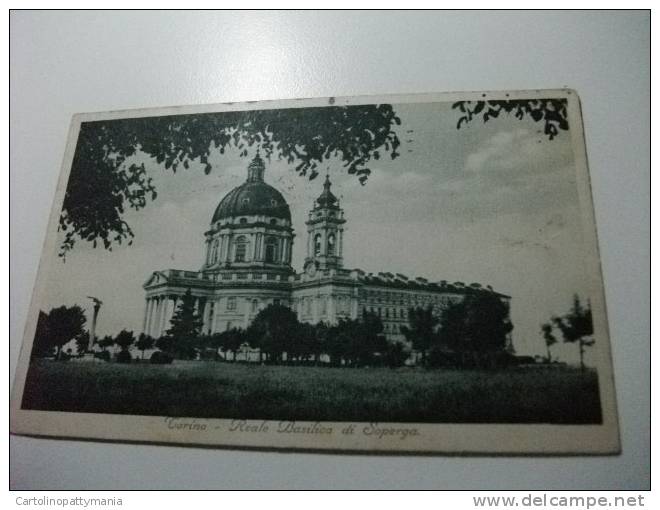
325,231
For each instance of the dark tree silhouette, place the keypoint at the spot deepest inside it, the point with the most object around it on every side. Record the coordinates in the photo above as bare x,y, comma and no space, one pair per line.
144,343
105,342
552,112
356,341
186,323
549,337
368,339
476,328
61,325
82,342
103,184
125,339
274,330
577,327
396,354
229,340
42,346
421,330
488,322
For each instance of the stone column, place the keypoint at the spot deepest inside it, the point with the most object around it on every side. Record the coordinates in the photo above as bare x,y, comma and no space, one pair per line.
205,317
150,319
165,315
146,316
228,248
159,316
154,317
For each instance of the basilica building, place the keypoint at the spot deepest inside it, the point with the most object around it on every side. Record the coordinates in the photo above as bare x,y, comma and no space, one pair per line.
247,266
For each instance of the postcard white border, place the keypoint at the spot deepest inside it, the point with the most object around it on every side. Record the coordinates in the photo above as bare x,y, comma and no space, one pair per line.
432,438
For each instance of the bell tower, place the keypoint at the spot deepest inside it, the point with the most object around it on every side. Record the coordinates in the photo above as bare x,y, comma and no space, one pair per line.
325,232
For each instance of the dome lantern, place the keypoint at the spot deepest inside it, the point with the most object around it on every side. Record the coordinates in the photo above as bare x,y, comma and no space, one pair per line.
253,198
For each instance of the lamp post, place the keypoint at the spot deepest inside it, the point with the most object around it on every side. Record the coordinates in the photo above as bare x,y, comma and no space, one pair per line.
92,333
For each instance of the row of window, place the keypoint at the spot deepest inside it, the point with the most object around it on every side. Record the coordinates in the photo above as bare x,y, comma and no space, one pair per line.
342,305
231,304
241,246
408,299
389,313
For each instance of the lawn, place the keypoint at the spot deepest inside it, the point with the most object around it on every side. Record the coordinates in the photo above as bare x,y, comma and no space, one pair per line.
227,390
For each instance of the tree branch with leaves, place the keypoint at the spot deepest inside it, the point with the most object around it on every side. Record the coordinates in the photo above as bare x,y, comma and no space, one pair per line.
103,183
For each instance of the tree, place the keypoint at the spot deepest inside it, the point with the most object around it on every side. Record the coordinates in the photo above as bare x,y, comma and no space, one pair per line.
42,345
577,327
105,342
421,329
550,339
396,355
64,324
186,325
488,322
475,328
552,112
354,341
125,339
144,343
165,344
339,340
367,339
103,182
274,330
319,342
229,340
82,342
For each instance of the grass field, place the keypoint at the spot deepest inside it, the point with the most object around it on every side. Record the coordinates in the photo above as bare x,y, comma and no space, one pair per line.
227,390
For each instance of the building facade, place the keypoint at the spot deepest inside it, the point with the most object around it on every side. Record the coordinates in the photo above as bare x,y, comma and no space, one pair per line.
247,266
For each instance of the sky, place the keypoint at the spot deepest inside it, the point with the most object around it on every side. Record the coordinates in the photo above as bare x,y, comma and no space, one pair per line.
494,203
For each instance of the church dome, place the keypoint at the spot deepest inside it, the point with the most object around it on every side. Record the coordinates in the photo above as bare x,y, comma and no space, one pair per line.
253,198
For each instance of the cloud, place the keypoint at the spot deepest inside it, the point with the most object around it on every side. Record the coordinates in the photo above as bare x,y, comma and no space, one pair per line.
519,153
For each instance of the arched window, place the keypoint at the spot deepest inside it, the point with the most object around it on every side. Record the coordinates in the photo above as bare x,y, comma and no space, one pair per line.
331,244
240,248
243,221
317,245
273,221
271,249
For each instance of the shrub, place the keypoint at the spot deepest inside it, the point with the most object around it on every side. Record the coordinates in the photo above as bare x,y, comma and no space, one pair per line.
104,355
161,358
396,355
441,358
124,357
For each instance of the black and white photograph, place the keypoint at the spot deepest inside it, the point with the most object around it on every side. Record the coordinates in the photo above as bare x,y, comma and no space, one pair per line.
390,273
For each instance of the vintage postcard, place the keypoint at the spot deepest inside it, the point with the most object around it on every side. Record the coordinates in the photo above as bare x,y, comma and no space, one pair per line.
413,273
